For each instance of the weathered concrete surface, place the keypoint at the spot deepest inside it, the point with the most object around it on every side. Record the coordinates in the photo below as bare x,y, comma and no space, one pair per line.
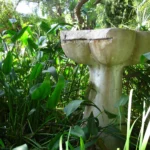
106,52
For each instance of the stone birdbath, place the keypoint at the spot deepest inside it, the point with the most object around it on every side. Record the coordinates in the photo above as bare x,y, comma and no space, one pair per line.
106,52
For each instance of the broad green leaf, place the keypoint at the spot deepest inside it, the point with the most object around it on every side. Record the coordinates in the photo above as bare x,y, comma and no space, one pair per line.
144,57
36,70
86,132
77,131
19,34
82,146
72,106
24,38
7,64
42,91
110,115
44,26
92,125
55,97
31,44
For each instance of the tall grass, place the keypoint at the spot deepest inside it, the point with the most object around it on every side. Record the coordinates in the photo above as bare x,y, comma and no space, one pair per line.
143,137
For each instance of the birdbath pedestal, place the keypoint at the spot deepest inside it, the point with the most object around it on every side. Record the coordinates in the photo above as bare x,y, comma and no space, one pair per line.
106,52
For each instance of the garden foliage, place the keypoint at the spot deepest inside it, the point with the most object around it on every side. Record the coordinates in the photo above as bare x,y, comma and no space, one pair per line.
42,93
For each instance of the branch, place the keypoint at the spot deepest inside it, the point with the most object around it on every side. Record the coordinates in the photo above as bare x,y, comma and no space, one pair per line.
78,11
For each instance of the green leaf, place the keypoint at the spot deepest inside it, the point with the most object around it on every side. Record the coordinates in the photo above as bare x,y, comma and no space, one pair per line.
2,144
70,146
9,32
110,115
82,146
123,100
42,91
36,70
92,125
77,131
144,57
19,34
42,42
44,26
53,28
7,64
72,106
88,144
147,55
52,71
54,143
36,94
61,143
24,38
32,46
114,131
55,97
33,88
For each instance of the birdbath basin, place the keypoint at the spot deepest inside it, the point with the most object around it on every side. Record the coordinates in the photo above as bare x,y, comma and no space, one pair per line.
106,52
